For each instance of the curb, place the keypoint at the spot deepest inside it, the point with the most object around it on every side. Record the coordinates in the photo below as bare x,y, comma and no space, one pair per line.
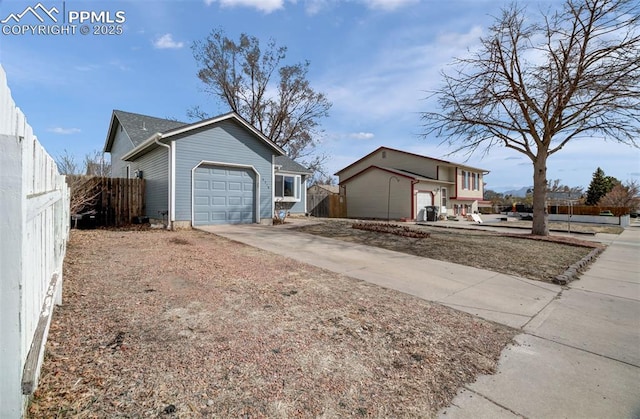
572,271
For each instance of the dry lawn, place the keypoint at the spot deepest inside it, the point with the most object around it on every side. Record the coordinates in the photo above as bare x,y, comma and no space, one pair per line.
188,324
512,254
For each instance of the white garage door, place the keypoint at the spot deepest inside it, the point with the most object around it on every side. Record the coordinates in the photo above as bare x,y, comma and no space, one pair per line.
223,195
423,199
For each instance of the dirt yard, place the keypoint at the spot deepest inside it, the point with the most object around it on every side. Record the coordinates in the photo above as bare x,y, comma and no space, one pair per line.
512,254
188,324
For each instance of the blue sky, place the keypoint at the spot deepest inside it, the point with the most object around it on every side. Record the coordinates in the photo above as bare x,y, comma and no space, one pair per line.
374,59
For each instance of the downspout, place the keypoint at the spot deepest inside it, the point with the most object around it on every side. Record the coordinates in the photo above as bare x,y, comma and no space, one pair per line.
168,147
305,194
413,200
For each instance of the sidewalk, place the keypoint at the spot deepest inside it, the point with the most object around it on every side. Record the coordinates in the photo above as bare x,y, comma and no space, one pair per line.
579,357
579,354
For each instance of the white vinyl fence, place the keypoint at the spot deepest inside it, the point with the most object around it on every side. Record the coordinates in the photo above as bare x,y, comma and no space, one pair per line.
34,227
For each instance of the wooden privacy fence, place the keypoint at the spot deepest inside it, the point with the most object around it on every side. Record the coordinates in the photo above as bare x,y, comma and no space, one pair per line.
327,205
112,201
34,228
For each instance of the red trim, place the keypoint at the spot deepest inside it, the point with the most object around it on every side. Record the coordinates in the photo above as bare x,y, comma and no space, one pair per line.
413,198
379,168
408,154
456,183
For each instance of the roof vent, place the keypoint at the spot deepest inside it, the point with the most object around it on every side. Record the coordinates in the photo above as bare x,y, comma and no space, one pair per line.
144,126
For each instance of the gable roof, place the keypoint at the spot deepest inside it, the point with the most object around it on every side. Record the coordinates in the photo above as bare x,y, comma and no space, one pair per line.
444,162
137,126
147,130
403,173
287,164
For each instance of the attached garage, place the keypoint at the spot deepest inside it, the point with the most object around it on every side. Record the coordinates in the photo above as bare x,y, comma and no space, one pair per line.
224,195
220,170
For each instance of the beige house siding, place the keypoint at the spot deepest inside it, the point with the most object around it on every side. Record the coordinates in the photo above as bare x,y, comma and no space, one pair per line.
394,159
368,195
462,191
423,181
447,173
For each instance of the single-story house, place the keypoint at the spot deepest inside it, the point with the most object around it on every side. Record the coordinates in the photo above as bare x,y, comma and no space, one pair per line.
220,170
395,184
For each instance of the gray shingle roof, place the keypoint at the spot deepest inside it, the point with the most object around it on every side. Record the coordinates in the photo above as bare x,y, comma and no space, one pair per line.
289,165
140,127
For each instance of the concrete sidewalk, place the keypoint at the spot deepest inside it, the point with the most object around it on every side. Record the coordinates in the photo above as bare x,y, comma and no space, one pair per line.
577,358
579,354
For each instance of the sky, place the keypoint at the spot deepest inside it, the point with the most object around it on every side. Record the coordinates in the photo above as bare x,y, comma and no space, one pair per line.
376,61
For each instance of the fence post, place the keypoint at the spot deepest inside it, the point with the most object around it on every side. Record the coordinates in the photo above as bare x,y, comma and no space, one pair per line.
12,231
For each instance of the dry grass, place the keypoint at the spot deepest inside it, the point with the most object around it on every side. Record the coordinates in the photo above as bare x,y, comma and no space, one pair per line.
521,255
187,324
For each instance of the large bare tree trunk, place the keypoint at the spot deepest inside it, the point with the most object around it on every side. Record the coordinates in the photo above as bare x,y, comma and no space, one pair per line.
540,217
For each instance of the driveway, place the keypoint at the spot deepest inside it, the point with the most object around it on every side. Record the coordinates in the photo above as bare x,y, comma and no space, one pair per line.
494,296
578,355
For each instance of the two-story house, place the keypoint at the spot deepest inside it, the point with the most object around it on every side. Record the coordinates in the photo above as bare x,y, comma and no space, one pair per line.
395,184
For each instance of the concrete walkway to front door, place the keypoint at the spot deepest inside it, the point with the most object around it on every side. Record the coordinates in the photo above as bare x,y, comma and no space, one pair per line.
578,355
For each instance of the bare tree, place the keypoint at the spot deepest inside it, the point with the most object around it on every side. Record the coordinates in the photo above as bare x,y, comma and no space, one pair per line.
241,75
67,164
535,86
96,165
622,195
84,193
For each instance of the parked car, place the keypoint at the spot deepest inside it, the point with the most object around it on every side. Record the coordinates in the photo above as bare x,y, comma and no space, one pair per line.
606,213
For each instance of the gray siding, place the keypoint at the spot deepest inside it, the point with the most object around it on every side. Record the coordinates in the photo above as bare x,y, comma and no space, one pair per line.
226,142
155,171
298,207
121,146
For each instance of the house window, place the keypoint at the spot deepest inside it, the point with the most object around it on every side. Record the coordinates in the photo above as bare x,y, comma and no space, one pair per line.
465,179
443,197
287,187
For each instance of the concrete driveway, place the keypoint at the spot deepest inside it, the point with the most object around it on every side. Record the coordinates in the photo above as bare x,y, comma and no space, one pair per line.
578,355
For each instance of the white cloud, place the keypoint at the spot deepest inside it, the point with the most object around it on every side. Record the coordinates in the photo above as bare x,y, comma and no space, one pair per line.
166,42
361,135
87,67
400,77
266,6
64,131
387,5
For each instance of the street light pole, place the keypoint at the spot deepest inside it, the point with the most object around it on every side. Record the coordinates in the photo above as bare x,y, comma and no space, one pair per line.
389,195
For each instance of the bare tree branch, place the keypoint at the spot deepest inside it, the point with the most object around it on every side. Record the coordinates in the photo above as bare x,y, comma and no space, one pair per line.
241,75
535,86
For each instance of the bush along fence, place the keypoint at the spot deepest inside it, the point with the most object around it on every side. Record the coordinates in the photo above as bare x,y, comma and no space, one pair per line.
34,228
102,201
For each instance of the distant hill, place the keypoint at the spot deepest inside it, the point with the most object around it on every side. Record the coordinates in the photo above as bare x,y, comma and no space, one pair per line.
522,192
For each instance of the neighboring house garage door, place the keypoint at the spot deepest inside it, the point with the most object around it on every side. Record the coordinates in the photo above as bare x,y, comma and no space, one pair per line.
423,199
223,195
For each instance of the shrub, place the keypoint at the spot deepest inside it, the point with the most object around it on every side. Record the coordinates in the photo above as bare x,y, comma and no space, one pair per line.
392,229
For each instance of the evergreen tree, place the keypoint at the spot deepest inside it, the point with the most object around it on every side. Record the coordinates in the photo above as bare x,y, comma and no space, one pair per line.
600,186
